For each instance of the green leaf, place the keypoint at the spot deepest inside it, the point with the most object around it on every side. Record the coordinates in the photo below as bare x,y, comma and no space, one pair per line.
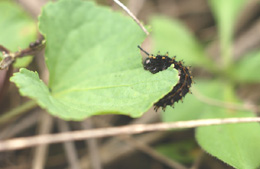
246,69
94,64
172,36
225,13
113,93
17,28
235,144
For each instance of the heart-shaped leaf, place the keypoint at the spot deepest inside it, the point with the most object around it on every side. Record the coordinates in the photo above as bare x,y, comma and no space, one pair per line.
94,64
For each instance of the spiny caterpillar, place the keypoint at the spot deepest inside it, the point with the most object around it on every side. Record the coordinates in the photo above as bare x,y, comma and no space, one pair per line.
158,63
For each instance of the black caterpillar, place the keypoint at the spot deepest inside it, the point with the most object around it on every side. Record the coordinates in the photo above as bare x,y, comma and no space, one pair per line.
158,63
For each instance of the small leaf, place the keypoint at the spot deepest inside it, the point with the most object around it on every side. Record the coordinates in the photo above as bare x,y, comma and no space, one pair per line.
94,64
246,69
173,37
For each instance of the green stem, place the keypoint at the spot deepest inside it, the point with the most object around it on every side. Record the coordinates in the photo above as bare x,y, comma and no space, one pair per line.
17,111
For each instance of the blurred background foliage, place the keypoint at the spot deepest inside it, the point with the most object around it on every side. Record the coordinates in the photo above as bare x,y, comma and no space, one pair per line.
228,73
219,39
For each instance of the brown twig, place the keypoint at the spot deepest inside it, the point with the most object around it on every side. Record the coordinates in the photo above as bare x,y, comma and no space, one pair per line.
141,145
20,143
3,49
131,15
9,57
121,150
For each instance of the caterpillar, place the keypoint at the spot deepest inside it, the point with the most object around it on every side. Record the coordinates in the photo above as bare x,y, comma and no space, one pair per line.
158,63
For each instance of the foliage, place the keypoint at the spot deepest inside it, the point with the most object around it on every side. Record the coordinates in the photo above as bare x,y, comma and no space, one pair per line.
94,64
236,144
95,68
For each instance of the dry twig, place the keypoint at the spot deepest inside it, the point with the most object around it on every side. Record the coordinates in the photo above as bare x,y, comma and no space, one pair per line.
20,143
122,150
131,15
141,145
